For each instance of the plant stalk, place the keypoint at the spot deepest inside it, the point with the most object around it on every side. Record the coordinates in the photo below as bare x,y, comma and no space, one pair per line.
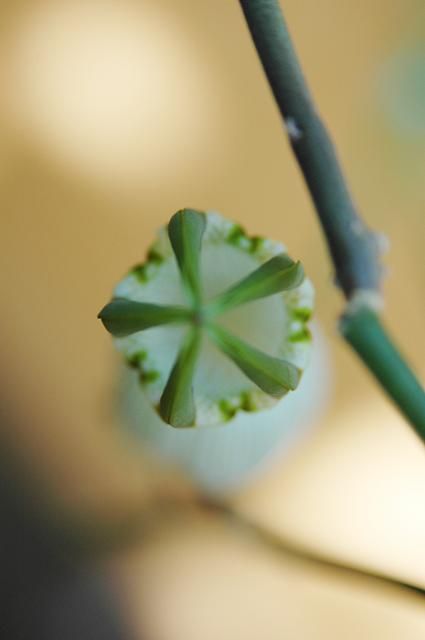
353,247
365,334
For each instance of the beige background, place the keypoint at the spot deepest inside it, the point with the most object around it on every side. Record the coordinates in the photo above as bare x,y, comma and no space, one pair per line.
112,116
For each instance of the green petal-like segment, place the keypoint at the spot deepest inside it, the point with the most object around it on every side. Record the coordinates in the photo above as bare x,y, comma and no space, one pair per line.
185,231
273,375
277,274
177,405
122,317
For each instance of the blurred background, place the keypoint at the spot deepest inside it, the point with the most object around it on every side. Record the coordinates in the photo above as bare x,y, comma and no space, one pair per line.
113,115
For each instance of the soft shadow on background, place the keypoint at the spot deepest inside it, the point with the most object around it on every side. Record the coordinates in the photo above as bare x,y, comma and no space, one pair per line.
113,115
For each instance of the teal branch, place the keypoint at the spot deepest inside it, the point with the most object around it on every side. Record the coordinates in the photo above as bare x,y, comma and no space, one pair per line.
353,247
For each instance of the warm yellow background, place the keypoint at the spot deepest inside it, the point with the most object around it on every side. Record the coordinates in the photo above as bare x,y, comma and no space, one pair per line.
114,114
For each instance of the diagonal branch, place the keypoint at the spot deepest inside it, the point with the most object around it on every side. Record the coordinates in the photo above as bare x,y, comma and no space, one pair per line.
354,249
352,246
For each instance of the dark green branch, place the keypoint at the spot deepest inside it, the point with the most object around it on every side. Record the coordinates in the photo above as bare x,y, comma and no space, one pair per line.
364,332
354,249
352,246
